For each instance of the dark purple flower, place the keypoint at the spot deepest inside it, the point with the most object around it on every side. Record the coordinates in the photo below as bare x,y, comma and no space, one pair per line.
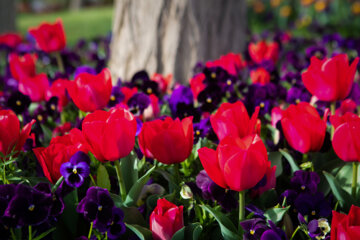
181,94
312,205
258,213
253,228
274,233
76,170
7,192
138,103
58,205
18,102
202,129
97,207
211,191
142,80
298,94
116,96
318,51
304,181
84,69
28,206
209,98
117,226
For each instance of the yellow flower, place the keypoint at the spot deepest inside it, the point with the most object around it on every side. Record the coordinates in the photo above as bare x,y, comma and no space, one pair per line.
355,8
285,11
259,7
306,2
275,3
320,6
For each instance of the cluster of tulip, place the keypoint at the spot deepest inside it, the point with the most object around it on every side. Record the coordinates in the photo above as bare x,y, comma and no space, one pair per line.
145,158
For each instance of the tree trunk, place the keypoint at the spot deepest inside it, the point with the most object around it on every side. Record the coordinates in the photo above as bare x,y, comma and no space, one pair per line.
170,36
7,16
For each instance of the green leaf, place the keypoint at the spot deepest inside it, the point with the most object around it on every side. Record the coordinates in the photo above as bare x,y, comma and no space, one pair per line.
190,232
47,134
290,159
344,198
135,191
129,170
44,234
275,159
228,230
141,232
276,214
103,180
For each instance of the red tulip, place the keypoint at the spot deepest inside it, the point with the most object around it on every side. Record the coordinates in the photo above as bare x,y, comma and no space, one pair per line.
197,84
168,141
346,227
163,82
232,119
35,87
59,151
330,79
269,183
11,138
128,93
347,105
237,164
10,39
260,75
303,128
166,220
49,37
231,62
22,65
263,51
110,135
91,92
346,139
58,89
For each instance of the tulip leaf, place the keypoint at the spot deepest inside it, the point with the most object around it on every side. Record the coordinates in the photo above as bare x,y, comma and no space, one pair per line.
47,134
132,215
290,159
276,214
103,180
344,198
228,230
135,191
275,158
141,232
190,232
129,170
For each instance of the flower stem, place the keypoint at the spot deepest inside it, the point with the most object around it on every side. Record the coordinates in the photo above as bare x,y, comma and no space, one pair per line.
332,110
294,233
30,232
177,173
90,230
120,179
354,179
241,207
60,62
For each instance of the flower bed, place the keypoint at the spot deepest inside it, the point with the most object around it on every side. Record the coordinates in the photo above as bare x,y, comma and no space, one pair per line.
258,145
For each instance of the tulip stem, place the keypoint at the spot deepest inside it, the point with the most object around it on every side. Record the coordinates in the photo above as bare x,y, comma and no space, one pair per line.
177,173
90,230
354,179
241,207
120,179
332,110
30,232
60,62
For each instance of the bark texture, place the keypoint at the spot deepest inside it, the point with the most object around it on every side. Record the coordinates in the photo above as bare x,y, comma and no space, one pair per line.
7,16
170,36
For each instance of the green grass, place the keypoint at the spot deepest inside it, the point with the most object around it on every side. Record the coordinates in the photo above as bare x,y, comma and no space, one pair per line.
86,23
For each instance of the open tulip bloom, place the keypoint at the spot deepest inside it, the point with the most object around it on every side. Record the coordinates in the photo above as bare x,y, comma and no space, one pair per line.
245,149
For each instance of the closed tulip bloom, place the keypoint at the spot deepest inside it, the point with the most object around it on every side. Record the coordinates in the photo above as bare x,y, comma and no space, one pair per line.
35,87
91,92
237,164
10,39
60,150
11,138
49,37
303,128
330,79
232,119
346,139
22,65
263,51
110,135
230,62
168,141
260,76
346,227
166,220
